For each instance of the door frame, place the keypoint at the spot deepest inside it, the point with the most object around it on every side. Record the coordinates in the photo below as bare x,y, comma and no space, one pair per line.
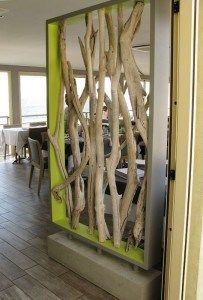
184,213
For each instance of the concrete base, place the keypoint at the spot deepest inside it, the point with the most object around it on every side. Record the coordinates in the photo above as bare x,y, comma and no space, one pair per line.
111,274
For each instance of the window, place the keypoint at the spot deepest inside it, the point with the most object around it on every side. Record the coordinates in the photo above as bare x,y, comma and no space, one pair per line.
33,98
80,81
4,98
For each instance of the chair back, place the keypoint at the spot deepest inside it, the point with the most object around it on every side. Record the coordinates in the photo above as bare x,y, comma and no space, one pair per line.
12,126
107,146
34,124
35,133
124,151
35,153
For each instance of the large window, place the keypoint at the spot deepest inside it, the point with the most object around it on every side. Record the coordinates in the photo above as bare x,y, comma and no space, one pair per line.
33,98
4,98
80,81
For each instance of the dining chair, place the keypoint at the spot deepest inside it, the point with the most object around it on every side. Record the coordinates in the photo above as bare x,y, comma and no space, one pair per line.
124,157
6,126
37,160
107,146
45,139
35,133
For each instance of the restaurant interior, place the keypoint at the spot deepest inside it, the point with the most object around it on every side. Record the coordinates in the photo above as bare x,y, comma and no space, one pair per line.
93,179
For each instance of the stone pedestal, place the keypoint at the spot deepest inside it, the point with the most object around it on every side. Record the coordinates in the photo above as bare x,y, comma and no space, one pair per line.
111,274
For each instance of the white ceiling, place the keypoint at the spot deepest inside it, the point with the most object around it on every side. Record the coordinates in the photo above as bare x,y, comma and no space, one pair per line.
23,36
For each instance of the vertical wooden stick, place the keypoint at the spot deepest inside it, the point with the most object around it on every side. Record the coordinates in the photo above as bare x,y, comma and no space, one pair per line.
138,230
92,99
132,169
114,71
131,71
99,133
136,97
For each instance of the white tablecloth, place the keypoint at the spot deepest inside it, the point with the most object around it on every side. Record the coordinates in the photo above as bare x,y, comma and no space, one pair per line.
14,137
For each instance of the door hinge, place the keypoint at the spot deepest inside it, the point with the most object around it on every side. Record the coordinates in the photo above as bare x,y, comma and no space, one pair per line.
176,7
172,174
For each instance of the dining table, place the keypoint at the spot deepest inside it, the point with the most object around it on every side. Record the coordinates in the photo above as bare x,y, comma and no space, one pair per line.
16,137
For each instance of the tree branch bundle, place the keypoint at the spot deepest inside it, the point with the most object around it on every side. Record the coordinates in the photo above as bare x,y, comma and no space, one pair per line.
116,61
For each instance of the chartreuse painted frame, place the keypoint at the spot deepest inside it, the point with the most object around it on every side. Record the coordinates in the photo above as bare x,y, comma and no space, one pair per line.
138,257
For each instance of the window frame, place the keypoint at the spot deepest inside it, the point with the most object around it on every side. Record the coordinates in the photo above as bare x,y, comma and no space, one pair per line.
9,117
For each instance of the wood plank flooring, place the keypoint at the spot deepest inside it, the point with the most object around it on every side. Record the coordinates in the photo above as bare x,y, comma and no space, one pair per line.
26,271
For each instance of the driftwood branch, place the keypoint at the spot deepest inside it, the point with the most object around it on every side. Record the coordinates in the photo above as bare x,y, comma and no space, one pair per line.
102,169
136,97
114,71
138,230
79,193
89,50
99,175
69,83
54,140
131,71
132,169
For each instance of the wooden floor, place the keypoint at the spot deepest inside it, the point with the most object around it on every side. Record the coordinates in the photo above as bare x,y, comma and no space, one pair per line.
26,271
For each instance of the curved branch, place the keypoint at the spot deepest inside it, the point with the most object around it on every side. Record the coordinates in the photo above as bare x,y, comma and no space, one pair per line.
99,133
69,83
92,95
138,230
114,71
132,169
54,140
131,71
79,193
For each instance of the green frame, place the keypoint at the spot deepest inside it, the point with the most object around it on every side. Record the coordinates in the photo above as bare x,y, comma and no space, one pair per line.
58,210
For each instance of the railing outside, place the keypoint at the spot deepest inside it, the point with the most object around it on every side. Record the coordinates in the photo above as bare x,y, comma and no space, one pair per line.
4,120
34,118
87,114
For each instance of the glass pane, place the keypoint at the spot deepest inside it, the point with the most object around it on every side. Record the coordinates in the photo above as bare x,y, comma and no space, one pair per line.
4,97
33,98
